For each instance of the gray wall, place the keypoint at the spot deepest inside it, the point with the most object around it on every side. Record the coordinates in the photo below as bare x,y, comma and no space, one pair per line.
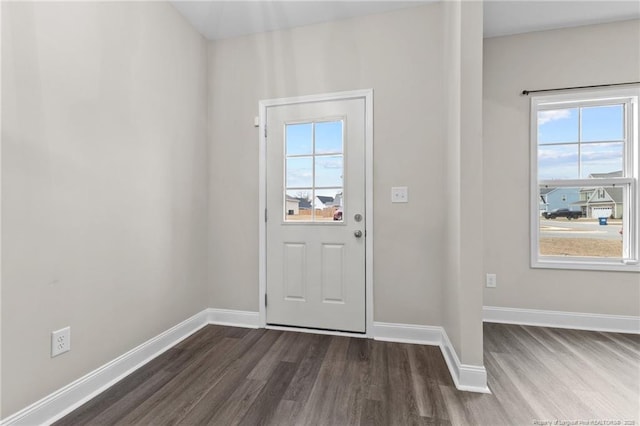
398,54
596,54
104,185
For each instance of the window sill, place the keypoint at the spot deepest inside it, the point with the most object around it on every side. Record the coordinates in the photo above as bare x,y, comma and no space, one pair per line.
584,265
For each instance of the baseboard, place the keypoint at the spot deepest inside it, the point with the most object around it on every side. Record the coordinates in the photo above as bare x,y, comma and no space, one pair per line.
68,398
559,319
407,333
471,378
233,318
466,377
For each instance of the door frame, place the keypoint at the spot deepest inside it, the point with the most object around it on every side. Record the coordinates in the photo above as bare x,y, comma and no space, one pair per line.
263,105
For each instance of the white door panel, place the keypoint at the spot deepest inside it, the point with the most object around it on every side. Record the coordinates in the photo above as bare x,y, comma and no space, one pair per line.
315,167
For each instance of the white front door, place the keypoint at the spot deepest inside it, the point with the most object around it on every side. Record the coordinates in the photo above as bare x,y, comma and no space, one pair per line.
315,197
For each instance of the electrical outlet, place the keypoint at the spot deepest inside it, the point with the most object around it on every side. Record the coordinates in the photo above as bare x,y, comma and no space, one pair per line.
60,341
492,281
399,194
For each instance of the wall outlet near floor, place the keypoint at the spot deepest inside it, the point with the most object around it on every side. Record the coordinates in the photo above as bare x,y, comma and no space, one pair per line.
492,281
60,341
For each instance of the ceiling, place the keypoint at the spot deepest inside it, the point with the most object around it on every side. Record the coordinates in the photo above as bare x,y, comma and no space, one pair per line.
515,17
233,18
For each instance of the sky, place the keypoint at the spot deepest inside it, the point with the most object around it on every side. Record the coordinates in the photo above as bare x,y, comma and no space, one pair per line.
328,156
570,150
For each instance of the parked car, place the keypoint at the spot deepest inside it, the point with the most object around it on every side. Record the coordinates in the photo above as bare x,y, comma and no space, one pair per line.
337,215
569,214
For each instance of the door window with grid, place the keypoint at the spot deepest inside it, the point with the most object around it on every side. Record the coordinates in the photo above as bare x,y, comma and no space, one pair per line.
314,171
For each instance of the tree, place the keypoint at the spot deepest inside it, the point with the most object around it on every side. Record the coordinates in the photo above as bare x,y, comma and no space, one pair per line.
303,195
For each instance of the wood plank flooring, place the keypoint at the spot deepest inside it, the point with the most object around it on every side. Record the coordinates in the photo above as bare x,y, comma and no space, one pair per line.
234,376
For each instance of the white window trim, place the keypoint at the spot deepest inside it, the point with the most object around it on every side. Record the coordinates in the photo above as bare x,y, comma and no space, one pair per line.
631,209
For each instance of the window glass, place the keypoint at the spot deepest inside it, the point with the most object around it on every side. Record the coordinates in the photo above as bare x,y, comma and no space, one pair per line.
328,207
328,137
558,125
299,172
601,160
558,162
314,172
299,139
329,171
581,221
298,204
603,123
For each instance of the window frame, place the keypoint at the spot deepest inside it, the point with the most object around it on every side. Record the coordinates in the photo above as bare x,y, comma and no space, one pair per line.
631,236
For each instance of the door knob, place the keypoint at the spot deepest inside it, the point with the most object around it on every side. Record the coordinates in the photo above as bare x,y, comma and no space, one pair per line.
358,233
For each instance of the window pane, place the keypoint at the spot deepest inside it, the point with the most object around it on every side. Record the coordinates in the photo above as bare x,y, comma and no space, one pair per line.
329,171
299,172
310,153
602,160
298,205
558,125
299,139
604,123
570,223
329,137
327,203
558,162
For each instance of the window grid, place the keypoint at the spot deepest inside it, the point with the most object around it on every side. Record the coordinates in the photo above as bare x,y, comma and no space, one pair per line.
313,155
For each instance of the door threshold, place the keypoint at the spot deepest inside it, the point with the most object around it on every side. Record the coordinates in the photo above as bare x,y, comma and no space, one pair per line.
316,331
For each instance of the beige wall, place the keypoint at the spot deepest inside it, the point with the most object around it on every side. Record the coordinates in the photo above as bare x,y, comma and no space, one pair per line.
462,284
398,54
104,185
587,55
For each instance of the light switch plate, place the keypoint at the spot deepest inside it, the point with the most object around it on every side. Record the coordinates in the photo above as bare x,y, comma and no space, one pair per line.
492,281
399,194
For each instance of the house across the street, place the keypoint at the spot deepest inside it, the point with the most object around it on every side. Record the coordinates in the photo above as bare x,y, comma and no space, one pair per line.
602,201
558,198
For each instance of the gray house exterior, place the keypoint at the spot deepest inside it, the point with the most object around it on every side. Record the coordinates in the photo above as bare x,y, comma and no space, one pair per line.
599,201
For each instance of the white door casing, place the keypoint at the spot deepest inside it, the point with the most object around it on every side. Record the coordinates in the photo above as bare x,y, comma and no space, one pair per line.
314,272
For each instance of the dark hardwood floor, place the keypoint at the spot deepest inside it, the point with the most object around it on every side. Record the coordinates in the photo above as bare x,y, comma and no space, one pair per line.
229,376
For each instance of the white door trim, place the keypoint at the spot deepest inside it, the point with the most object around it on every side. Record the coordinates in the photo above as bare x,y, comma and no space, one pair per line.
367,95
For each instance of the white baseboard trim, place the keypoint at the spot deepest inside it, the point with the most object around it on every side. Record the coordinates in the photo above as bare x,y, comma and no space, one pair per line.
407,333
233,318
559,319
66,399
471,378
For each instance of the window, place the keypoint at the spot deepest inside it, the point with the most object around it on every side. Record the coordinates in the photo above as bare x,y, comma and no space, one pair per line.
314,171
584,181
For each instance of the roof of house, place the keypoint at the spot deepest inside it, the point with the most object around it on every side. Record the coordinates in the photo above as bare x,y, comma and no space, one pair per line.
606,175
324,199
